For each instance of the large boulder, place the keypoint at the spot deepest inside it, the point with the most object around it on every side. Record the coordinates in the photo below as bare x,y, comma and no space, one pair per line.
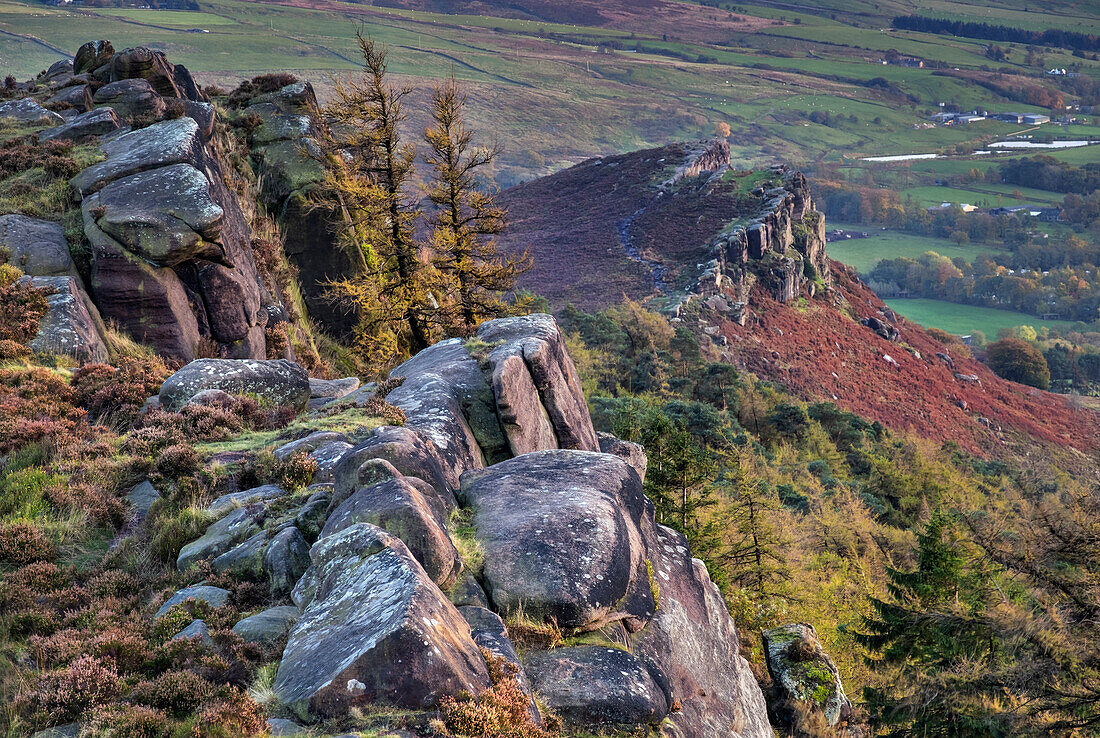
280,382
150,302
92,56
166,216
530,353
598,686
37,247
693,644
400,508
72,325
407,451
154,67
446,399
131,99
374,628
562,537
804,674
26,110
285,559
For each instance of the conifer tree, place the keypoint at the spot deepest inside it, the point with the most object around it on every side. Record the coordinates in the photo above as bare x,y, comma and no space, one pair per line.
368,167
467,217
934,634
754,553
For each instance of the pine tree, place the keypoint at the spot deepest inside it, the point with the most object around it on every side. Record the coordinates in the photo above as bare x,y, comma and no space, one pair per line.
753,556
467,217
368,168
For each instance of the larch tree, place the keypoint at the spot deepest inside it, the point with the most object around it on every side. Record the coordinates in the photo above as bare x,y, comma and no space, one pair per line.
475,276
368,169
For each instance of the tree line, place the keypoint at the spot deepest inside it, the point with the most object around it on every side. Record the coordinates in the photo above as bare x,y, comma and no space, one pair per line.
1005,34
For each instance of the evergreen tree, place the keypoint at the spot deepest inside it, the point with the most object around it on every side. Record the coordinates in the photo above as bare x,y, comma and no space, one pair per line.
466,219
368,168
933,634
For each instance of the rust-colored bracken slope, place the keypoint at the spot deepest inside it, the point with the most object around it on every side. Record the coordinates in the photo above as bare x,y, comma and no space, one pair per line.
820,350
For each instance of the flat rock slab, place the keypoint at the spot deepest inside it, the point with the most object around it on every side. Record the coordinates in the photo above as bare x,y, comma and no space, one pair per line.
597,686
93,123
159,145
167,215
213,596
335,388
223,535
37,247
374,628
69,328
308,444
267,627
27,110
280,382
562,537
263,493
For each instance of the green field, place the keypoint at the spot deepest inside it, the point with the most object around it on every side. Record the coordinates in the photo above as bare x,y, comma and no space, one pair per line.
865,253
965,319
541,89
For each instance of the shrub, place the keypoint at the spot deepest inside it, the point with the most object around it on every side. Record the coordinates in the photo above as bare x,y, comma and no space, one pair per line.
21,307
230,716
502,711
118,392
24,543
178,461
260,85
61,695
177,693
298,471
126,721
54,157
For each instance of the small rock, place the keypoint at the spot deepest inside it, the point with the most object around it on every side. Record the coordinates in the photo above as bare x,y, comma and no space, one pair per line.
37,247
308,444
214,596
286,559
223,535
26,110
93,123
804,673
264,493
283,727
142,497
280,382
197,629
335,388
267,627
79,97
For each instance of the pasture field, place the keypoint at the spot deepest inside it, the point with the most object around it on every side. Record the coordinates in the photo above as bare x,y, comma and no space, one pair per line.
864,253
965,319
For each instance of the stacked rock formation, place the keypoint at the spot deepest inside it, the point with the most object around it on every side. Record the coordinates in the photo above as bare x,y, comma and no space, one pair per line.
170,250
385,610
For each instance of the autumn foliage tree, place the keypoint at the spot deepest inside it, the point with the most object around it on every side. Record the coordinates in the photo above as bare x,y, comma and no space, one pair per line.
466,219
368,169
1018,361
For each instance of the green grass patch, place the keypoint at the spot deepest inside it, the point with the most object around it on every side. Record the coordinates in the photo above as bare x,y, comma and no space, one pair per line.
353,422
864,253
965,319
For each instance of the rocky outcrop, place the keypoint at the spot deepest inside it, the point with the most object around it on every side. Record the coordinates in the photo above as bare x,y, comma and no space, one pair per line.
279,381
37,247
781,249
282,147
564,534
804,675
28,111
86,125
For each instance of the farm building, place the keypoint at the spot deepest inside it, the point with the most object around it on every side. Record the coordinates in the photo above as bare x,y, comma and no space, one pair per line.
1036,119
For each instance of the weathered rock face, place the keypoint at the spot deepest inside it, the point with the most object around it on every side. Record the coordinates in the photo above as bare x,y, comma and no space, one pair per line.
591,575
280,381
804,673
532,356
374,627
171,257
401,509
782,249
72,327
37,247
